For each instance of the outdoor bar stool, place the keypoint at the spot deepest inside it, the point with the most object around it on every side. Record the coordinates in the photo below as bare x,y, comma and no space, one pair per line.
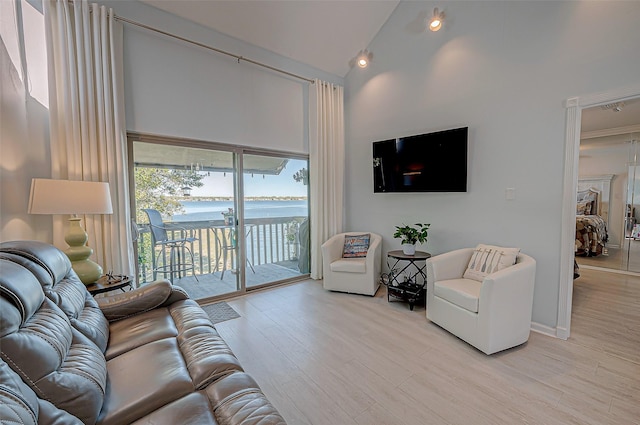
174,258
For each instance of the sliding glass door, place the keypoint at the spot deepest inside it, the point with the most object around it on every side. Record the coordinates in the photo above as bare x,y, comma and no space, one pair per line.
228,220
192,244
276,218
631,242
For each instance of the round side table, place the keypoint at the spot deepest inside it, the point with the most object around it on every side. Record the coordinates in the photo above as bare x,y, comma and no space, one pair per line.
403,276
110,283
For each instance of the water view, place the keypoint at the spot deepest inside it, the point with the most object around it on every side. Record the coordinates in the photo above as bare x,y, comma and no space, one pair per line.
212,210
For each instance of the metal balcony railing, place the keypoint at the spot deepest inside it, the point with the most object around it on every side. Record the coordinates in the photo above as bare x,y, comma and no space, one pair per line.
268,240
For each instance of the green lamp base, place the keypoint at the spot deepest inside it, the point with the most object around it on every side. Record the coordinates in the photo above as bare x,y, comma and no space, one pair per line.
79,253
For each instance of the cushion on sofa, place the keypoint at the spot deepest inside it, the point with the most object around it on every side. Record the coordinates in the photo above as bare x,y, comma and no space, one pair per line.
193,408
139,330
51,259
59,363
356,246
349,265
143,380
62,286
18,403
487,259
464,293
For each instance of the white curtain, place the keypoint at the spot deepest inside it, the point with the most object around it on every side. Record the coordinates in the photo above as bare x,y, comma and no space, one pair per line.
326,171
88,137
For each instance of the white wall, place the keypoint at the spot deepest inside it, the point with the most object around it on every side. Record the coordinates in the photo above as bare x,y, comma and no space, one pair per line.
177,89
171,88
24,126
504,69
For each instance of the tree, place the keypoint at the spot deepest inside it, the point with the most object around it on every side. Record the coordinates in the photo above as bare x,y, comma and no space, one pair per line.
157,188
302,175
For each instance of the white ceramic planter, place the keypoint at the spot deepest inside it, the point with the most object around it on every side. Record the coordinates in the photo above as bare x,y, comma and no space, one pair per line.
409,249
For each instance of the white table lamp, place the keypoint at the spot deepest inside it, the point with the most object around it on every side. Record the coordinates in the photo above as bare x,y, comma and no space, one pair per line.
73,197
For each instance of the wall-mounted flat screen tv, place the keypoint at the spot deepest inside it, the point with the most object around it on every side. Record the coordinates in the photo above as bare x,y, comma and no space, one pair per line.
433,162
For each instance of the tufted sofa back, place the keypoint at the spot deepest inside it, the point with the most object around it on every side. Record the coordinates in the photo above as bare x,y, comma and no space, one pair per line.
149,355
62,286
59,363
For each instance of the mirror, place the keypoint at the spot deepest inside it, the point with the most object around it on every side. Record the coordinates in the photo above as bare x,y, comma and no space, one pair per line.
610,164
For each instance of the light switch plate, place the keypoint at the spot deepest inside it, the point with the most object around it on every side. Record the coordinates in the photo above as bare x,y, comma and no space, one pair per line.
510,193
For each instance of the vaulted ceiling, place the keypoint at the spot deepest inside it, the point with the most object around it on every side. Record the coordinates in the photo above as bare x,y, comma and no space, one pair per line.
324,34
328,34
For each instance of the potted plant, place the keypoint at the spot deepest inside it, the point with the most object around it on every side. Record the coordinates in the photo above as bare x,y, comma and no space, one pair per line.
410,235
228,216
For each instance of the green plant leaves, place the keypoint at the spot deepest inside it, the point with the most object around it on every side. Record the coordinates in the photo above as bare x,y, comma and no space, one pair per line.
412,235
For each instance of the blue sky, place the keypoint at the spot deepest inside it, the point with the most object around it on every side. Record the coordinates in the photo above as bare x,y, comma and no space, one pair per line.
217,184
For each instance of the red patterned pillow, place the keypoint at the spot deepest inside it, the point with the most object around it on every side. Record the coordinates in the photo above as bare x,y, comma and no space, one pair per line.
356,246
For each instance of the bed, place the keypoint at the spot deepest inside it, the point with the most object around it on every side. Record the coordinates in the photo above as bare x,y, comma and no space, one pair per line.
591,228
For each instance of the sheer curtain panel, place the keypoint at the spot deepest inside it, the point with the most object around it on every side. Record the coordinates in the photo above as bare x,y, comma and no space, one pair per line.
88,136
326,170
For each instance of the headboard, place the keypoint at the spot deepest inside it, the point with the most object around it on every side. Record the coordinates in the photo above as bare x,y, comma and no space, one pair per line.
592,197
602,186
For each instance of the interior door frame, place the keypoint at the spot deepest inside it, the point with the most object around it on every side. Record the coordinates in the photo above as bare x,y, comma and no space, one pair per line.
574,107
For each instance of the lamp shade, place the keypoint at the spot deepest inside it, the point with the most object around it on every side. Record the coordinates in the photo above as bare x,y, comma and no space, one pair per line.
69,197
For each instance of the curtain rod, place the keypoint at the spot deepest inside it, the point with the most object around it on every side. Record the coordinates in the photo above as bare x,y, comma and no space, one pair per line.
238,58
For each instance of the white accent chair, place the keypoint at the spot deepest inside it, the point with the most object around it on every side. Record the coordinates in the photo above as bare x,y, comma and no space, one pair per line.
492,315
353,275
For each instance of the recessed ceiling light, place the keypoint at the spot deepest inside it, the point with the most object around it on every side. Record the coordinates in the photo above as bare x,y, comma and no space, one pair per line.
363,58
435,23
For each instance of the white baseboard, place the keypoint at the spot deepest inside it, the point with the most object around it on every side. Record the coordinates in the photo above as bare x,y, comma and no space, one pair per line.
603,269
546,330
562,333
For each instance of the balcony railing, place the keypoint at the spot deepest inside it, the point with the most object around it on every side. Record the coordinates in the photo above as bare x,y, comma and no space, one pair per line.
268,240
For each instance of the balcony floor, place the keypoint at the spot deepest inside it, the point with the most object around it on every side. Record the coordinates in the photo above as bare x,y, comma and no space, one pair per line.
210,285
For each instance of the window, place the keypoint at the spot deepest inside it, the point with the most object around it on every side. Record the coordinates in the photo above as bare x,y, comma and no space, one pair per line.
241,216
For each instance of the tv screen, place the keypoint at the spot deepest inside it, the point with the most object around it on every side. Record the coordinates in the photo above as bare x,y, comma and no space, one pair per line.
433,162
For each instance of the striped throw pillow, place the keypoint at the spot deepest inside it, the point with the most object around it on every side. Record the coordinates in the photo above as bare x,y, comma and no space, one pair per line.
487,259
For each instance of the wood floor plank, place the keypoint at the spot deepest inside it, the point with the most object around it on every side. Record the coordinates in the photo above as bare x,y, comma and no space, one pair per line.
331,358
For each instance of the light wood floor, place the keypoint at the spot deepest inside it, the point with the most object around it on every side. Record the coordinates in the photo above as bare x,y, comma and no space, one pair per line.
627,258
340,359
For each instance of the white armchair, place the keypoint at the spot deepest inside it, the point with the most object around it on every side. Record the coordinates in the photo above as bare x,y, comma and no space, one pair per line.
353,275
492,315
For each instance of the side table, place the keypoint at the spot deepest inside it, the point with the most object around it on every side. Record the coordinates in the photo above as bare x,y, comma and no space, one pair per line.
110,282
409,282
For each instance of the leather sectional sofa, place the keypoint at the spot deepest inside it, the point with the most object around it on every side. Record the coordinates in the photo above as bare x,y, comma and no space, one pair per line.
147,356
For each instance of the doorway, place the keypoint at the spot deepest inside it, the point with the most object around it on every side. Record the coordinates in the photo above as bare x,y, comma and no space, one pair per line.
608,164
574,108
232,219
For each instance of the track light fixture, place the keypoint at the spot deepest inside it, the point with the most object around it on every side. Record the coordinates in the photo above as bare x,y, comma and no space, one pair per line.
615,107
363,58
435,23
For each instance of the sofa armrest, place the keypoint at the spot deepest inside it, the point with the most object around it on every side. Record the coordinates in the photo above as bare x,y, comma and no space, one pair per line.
450,265
332,248
156,294
374,256
177,294
509,293
237,399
